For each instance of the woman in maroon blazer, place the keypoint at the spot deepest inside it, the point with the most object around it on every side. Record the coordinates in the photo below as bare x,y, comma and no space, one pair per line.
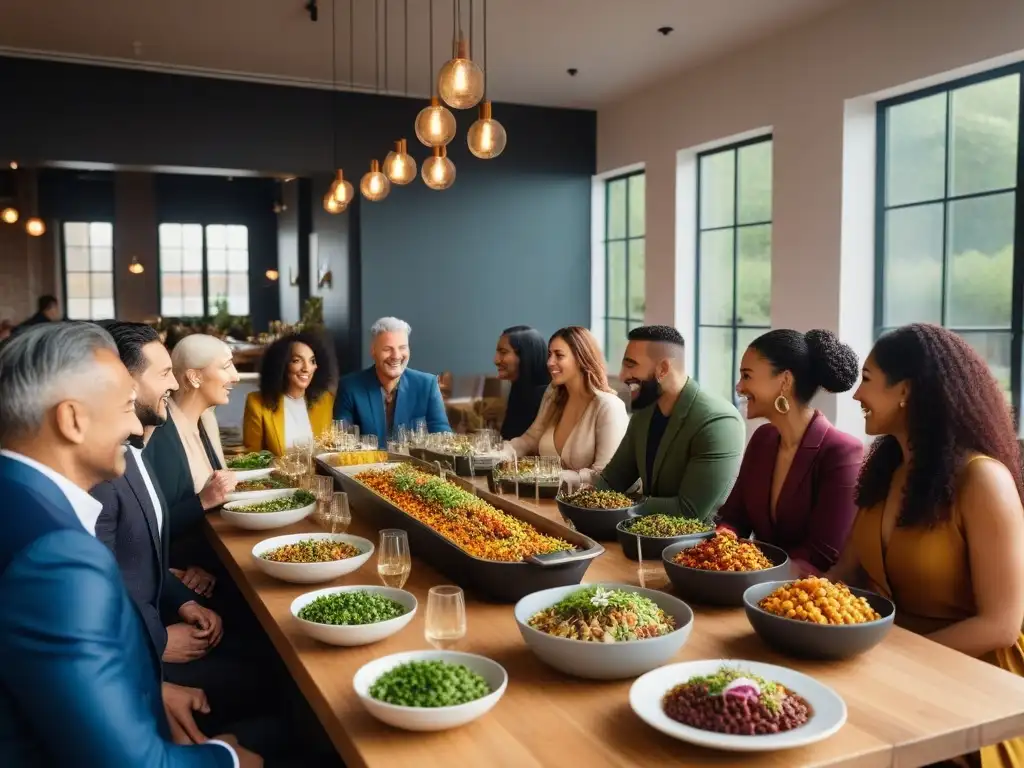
795,487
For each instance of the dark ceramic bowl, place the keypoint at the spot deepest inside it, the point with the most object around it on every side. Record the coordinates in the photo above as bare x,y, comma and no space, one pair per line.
651,546
721,587
805,640
599,524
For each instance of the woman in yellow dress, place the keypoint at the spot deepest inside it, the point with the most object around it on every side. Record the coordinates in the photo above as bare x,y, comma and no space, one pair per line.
940,527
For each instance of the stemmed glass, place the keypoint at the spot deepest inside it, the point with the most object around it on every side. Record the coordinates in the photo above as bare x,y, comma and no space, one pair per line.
393,560
446,617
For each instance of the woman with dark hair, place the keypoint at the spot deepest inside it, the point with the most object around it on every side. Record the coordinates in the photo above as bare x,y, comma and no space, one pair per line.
293,404
521,359
795,487
581,420
941,524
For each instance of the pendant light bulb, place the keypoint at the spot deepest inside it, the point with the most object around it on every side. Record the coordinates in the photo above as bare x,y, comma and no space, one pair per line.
9,215
460,82
35,227
399,165
135,267
331,205
438,171
375,185
435,124
343,190
486,137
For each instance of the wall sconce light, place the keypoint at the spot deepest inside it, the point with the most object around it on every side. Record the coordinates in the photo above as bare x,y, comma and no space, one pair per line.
272,274
292,279
9,215
135,267
35,227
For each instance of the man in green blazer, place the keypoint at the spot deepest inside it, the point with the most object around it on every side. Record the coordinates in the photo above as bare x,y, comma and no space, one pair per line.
685,444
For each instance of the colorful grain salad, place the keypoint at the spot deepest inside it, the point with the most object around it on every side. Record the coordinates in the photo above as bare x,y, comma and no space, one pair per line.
461,517
349,609
297,500
734,702
255,460
724,552
274,482
357,458
591,498
312,551
429,684
665,526
820,601
599,615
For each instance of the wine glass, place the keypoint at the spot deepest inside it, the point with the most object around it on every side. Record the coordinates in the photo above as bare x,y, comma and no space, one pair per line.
393,560
446,617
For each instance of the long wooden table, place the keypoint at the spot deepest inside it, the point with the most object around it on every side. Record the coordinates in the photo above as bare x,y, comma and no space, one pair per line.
911,702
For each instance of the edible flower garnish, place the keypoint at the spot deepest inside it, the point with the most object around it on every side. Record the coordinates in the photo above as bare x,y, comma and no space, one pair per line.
601,598
743,688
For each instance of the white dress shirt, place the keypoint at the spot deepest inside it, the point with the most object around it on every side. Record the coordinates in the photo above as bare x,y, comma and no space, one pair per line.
86,508
297,429
150,488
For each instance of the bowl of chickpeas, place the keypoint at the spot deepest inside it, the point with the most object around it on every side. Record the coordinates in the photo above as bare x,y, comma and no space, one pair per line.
814,618
718,570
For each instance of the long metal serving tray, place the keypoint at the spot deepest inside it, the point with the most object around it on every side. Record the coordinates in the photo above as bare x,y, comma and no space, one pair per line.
498,581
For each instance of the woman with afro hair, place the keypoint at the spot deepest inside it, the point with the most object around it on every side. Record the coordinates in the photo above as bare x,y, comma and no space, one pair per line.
940,527
293,405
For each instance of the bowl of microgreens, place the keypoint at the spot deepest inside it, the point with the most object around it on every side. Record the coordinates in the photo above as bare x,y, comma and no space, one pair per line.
595,513
311,558
430,690
284,508
247,466
357,615
603,631
647,536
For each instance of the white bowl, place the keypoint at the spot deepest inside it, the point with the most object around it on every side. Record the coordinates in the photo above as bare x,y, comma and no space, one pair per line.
357,634
603,661
264,521
430,718
311,573
250,474
255,496
828,710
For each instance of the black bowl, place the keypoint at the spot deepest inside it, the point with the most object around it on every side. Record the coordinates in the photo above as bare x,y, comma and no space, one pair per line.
652,546
599,524
806,640
721,587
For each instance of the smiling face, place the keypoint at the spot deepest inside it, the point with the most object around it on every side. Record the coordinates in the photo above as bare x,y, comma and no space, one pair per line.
640,372
562,364
154,385
216,380
506,360
883,404
301,367
391,354
760,386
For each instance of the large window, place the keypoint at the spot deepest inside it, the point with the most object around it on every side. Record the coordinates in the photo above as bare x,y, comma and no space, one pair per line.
734,258
203,269
947,217
89,270
623,262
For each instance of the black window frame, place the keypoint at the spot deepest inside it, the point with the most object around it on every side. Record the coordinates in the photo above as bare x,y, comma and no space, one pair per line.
64,263
607,318
1016,329
205,268
735,326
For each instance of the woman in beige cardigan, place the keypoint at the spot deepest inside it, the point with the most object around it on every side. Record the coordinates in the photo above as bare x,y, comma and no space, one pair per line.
581,419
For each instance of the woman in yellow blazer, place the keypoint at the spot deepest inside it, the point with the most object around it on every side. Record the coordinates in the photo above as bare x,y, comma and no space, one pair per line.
293,405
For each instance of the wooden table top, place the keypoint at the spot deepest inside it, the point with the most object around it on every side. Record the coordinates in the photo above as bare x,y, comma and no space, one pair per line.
911,702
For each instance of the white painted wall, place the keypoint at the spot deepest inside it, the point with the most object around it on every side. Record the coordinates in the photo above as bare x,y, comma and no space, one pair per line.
814,87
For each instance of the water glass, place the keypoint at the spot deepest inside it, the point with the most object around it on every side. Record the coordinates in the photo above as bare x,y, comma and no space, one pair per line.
394,447
370,442
393,559
338,515
446,617
420,432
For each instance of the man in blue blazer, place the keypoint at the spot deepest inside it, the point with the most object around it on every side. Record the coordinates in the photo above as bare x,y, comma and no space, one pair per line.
80,681
389,395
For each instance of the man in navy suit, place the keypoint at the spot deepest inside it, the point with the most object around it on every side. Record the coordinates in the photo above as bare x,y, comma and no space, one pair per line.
80,680
389,395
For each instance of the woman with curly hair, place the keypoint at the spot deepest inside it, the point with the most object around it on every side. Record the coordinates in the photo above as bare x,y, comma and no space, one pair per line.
795,487
293,405
941,524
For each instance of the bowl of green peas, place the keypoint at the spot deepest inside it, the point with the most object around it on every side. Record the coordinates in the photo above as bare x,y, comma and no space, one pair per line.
353,615
430,690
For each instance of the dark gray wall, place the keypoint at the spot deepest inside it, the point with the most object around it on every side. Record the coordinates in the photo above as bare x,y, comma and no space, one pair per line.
509,243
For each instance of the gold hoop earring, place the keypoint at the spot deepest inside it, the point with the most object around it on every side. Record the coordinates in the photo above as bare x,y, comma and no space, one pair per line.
782,404
902,404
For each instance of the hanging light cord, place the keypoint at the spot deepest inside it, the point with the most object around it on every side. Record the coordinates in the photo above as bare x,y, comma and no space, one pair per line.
351,44
472,29
405,55
376,44
430,69
334,81
487,72
386,3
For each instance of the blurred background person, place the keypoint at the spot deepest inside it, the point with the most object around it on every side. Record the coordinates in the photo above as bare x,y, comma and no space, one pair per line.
521,358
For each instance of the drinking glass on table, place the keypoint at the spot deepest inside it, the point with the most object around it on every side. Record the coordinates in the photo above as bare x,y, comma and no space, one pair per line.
446,617
370,442
339,515
393,560
420,432
322,489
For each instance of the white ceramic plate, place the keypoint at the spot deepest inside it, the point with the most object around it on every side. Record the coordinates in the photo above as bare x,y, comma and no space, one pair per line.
311,573
264,521
434,718
828,710
358,634
250,474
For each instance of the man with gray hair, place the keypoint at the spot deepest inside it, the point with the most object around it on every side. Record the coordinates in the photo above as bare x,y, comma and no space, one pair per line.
388,394
70,632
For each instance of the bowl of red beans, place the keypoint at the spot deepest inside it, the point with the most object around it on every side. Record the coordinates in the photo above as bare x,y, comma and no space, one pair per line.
718,570
311,558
